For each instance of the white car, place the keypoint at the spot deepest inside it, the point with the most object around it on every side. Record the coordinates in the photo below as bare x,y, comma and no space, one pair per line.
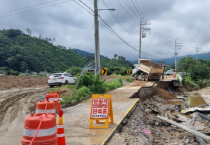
170,72
58,79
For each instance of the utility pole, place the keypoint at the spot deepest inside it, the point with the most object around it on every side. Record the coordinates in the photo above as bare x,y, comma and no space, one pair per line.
97,44
197,49
177,46
142,36
97,51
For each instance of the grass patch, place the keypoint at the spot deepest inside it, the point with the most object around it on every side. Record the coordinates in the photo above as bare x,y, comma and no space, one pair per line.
86,92
128,80
55,89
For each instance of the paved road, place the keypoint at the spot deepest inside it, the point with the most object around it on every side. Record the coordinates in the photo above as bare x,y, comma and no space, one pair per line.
76,119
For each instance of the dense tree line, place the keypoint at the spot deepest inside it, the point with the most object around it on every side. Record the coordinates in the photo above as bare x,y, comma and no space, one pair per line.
22,52
199,70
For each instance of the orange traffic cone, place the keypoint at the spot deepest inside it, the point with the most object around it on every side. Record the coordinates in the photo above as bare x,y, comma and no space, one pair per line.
166,77
60,130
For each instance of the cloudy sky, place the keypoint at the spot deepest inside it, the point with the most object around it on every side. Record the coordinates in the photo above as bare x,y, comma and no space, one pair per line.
72,26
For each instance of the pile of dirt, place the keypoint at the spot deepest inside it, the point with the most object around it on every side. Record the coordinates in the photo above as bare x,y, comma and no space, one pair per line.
164,93
156,66
7,82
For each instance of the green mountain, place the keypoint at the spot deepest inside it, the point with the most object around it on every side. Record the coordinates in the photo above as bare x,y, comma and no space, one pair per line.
21,52
85,53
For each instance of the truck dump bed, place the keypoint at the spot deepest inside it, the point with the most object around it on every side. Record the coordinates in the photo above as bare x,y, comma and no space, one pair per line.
150,68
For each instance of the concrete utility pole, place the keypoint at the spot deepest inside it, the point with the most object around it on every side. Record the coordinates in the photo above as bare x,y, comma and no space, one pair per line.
97,50
145,29
177,46
97,44
197,49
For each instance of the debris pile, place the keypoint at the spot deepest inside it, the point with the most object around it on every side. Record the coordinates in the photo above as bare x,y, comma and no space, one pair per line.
145,128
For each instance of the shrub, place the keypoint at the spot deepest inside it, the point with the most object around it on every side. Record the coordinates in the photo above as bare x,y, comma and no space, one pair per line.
199,72
114,84
74,70
77,95
128,80
12,72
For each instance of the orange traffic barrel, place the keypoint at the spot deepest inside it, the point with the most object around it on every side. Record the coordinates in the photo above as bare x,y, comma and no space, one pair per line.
53,97
48,105
47,134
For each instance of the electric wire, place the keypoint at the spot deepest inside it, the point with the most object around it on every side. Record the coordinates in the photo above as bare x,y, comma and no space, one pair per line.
28,7
119,22
128,12
109,28
34,9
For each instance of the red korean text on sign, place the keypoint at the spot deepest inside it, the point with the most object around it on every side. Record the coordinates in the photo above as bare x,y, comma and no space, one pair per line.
100,108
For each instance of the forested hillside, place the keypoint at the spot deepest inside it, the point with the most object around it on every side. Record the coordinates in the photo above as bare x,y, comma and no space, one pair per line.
21,52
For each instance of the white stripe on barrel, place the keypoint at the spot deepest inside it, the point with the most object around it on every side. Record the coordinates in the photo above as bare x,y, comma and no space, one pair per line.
53,99
61,135
41,133
47,111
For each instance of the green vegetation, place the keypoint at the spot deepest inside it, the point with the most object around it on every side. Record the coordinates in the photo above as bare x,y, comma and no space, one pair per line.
20,52
74,70
90,84
199,73
128,80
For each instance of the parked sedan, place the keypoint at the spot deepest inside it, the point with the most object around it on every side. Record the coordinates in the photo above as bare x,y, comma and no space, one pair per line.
169,72
58,79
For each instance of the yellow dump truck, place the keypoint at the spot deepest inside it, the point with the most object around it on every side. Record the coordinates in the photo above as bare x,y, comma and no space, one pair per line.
145,70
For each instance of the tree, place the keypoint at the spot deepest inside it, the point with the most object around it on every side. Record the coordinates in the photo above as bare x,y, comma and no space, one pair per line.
199,72
28,31
115,56
185,63
53,40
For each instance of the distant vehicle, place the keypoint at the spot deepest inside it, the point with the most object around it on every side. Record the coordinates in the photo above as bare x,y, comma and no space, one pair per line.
2,75
58,79
145,70
170,72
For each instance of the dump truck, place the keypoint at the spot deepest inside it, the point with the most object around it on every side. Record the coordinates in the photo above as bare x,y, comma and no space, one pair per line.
145,70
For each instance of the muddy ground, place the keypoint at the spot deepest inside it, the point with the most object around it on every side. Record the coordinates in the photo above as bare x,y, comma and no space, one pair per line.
8,82
15,105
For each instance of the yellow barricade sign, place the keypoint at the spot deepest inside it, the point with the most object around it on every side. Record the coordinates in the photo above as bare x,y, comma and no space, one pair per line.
128,72
101,109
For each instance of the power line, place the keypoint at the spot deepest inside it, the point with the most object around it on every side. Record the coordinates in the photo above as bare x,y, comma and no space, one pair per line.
118,21
27,7
127,12
130,7
34,9
110,29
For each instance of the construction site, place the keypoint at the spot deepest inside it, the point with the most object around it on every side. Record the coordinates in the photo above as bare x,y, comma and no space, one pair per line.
143,113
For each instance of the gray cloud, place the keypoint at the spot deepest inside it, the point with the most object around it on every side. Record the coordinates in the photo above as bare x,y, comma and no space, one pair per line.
187,21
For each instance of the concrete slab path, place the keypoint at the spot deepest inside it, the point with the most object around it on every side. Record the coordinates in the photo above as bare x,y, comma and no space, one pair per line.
76,119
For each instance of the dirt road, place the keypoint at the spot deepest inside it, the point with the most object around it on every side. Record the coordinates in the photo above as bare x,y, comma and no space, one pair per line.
15,105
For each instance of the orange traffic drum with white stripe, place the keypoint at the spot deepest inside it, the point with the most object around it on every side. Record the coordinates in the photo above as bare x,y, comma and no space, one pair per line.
53,97
49,105
47,131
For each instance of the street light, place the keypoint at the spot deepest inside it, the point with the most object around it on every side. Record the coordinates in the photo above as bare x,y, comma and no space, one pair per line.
107,9
97,50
